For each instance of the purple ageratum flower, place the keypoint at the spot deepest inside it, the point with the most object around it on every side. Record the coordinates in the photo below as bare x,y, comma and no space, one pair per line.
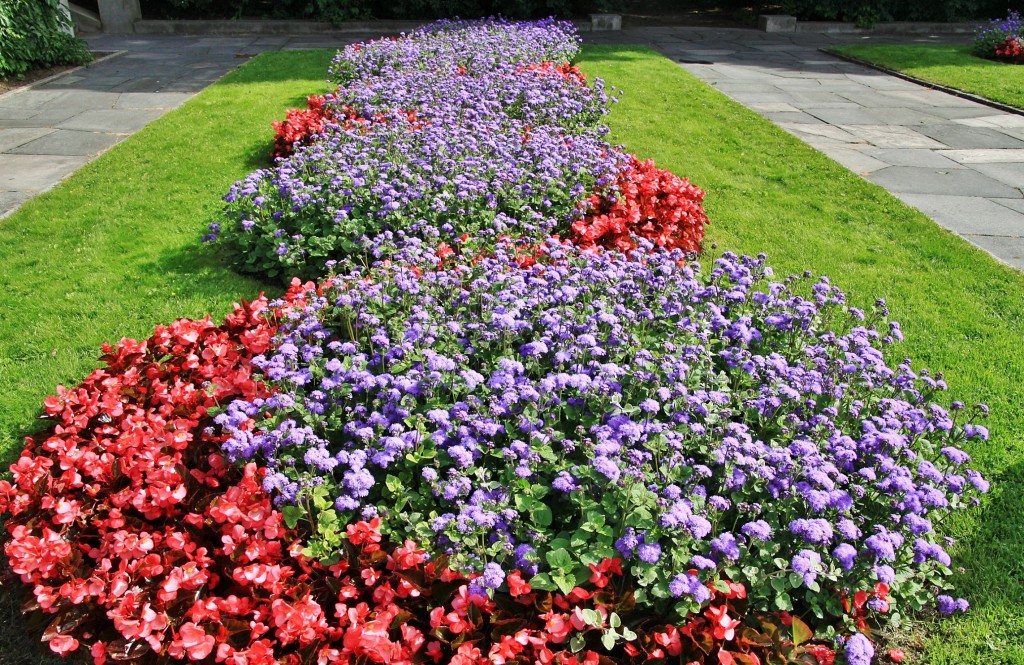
703,563
846,554
725,545
815,531
514,418
648,552
627,543
808,564
758,530
493,575
859,650
947,605
685,584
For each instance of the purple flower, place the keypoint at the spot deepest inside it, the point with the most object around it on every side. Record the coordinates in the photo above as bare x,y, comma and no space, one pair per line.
493,575
648,552
758,530
859,650
685,584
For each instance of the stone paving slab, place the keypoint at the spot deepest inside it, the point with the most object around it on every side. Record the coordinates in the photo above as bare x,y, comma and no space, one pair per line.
961,137
1012,174
69,142
11,201
935,182
1010,250
937,159
35,173
969,215
984,155
151,100
114,121
14,138
892,136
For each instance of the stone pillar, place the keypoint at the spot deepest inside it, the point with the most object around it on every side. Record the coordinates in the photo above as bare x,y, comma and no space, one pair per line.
119,16
605,22
69,26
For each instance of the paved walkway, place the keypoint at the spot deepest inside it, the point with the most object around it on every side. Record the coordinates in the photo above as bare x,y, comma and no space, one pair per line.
960,162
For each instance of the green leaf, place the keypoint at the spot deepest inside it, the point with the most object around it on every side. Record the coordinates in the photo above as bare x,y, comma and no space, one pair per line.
541,514
628,634
292,515
542,582
592,618
608,640
394,484
784,602
577,642
560,559
614,621
565,582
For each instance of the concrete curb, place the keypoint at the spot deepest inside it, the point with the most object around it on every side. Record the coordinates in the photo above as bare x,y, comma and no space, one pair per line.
54,77
1000,106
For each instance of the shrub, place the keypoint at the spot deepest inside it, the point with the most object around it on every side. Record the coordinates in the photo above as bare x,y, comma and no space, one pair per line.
32,36
590,406
866,12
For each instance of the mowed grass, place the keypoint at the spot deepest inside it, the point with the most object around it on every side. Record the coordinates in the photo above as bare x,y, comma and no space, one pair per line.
962,312
114,251
950,65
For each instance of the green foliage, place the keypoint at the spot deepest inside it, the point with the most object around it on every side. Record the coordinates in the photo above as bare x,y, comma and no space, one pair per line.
867,12
32,36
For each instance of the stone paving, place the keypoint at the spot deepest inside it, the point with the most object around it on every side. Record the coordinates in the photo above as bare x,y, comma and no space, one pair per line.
959,162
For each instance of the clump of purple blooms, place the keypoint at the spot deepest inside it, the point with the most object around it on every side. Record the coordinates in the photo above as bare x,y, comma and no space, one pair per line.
461,136
679,417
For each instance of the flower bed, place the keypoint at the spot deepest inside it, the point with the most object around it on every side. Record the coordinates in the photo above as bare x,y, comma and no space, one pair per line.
441,134
500,448
999,39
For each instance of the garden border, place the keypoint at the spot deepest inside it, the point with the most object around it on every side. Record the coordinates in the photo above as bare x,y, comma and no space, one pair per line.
978,99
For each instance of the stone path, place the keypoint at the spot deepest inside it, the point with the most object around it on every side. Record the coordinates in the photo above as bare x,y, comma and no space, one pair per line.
959,162
50,130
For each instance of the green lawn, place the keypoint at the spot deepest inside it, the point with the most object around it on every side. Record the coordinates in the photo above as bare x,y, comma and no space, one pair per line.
113,251
947,64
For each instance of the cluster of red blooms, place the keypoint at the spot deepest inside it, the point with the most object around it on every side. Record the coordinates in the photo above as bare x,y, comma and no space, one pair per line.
651,203
566,70
1011,50
858,610
301,125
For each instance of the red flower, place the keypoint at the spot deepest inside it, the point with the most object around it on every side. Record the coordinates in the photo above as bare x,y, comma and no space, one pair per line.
649,203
